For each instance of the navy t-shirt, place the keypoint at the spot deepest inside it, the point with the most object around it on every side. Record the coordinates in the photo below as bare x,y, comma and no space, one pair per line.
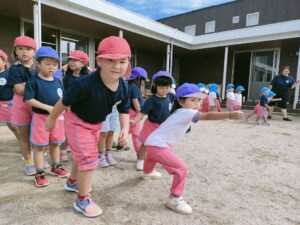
45,91
6,93
135,93
18,74
263,100
68,81
157,108
92,101
281,84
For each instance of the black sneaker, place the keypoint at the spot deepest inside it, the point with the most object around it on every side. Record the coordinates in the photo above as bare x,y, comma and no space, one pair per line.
287,119
122,148
269,117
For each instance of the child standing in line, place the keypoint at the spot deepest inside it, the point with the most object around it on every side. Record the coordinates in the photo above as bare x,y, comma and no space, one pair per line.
91,99
138,74
76,68
42,92
230,97
106,139
214,103
6,94
161,142
238,97
157,107
21,113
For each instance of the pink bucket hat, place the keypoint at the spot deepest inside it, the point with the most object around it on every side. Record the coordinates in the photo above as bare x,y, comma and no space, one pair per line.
25,41
114,47
3,56
79,55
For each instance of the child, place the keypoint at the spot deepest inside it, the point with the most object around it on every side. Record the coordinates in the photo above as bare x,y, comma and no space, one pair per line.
138,74
214,102
76,68
230,97
21,113
160,143
42,92
106,139
238,97
6,94
91,99
257,108
157,107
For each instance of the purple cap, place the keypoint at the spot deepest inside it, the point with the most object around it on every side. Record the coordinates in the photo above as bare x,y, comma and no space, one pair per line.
138,72
188,90
162,74
58,74
46,52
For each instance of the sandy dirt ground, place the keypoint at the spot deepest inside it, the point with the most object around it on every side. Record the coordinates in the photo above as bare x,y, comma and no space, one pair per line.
241,174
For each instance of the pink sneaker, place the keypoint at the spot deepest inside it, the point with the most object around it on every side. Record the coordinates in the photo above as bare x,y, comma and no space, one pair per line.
41,180
87,207
59,171
64,156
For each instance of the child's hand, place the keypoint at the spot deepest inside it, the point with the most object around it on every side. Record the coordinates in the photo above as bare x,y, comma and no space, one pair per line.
123,135
132,122
50,123
237,115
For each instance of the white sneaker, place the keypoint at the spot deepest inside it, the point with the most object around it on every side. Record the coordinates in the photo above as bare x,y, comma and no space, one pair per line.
152,176
179,205
139,165
46,163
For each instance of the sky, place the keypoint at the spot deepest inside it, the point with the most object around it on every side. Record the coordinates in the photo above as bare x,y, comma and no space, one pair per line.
157,9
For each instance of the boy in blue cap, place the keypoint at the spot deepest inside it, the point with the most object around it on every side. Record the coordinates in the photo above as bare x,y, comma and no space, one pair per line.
238,97
42,92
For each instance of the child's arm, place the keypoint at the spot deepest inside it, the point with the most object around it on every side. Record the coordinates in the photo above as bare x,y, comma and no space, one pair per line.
57,110
221,115
138,118
275,99
136,104
124,123
19,88
37,104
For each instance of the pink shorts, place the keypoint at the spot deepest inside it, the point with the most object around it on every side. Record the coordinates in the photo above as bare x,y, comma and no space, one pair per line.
257,109
147,129
38,134
21,113
136,128
230,104
83,139
5,112
237,107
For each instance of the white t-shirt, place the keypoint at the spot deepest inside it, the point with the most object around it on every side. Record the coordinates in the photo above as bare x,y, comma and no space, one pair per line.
238,98
230,96
212,98
174,128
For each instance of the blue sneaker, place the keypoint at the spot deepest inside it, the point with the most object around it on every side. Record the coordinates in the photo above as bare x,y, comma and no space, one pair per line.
87,207
71,187
30,169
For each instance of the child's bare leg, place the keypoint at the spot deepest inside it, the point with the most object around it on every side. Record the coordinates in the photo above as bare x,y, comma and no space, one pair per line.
84,179
109,140
24,141
13,129
38,158
142,152
55,153
101,150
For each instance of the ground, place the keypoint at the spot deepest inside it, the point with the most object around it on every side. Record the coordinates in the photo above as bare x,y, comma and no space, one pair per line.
240,174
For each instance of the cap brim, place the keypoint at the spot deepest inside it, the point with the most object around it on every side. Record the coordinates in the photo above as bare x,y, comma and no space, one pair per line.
196,95
113,56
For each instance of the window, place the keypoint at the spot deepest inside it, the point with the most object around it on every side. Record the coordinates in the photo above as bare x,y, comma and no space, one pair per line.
235,19
190,29
252,19
210,26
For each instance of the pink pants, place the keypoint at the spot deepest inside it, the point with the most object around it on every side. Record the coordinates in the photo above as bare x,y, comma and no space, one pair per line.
237,107
38,134
83,139
171,162
230,104
5,112
135,131
21,113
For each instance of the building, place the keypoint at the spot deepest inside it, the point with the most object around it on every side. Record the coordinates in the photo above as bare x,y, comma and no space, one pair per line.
244,40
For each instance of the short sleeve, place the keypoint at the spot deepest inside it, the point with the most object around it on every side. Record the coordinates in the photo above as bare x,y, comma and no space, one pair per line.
134,92
146,108
14,76
30,89
274,80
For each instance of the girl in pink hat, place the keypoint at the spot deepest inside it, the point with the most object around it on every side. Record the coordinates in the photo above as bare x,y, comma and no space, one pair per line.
77,67
91,99
21,114
6,94
157,107
161,142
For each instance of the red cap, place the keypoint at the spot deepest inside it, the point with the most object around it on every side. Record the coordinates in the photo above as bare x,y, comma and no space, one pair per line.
3,55
79,55
114,47
25,41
